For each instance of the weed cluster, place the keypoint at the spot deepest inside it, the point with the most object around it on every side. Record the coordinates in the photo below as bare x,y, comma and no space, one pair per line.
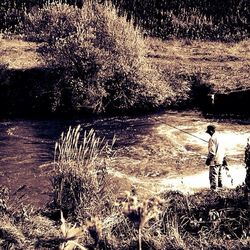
80,177
20,224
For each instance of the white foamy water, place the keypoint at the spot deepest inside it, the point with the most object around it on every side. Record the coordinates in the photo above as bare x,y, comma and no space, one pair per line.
189,184
234,142
194,134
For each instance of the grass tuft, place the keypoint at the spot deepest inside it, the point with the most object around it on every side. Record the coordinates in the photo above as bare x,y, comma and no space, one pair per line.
79,182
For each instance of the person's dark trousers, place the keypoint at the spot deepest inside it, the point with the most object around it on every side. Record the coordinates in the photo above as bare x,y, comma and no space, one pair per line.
247,180
247,187
215,177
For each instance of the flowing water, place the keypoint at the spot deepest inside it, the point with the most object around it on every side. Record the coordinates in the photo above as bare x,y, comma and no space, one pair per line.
155,152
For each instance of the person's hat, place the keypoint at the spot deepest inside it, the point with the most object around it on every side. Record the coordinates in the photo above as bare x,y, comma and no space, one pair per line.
210,128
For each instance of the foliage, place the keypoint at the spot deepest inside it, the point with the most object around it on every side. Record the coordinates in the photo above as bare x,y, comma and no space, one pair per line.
12,12
215,215
141,213
79,182
71,235
210,19
103,58
10,235
21,227
171,220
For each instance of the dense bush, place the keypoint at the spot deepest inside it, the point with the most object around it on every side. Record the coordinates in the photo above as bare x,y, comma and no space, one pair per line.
103,57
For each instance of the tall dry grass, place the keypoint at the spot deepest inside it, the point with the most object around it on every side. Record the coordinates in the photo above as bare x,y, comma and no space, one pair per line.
171,220
79,182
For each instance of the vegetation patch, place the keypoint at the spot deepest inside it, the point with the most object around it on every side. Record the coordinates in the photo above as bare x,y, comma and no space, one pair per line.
195,19
206,220
80,176
98,61
102,57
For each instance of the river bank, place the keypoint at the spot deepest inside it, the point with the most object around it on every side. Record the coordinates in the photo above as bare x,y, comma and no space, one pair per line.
194,70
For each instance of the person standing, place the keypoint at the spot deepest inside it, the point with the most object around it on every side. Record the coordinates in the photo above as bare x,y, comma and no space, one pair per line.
215,157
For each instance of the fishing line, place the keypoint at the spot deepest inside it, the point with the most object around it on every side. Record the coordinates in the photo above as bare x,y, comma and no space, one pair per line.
197,137
183,131
11,132
228,157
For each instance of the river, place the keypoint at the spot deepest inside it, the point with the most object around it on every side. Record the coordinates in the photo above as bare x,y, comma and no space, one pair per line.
154,152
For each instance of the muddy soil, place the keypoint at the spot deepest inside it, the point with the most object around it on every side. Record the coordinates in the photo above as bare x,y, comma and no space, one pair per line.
154,153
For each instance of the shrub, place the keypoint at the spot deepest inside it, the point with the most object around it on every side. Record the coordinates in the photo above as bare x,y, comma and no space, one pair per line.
12,12
103,57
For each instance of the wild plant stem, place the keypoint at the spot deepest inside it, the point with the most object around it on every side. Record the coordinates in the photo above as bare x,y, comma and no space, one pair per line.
139,232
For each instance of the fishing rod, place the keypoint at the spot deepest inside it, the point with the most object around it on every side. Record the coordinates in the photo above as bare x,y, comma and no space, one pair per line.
228,157
11,132
183,131
172,126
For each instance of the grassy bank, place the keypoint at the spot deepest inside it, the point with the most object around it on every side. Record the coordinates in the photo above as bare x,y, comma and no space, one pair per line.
224,66
190,68
170,221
